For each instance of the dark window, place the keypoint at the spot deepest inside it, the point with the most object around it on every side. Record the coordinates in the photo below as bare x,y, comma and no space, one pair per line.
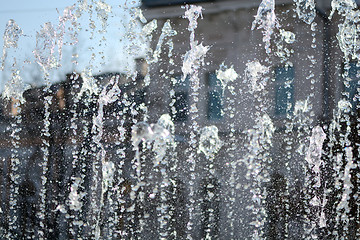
284,90
351,83
215,93
180,103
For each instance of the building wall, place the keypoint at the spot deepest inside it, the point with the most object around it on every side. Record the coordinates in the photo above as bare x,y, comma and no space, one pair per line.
231,41
226,28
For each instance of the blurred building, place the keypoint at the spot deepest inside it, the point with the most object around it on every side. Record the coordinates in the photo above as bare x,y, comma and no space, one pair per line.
298,89
62,131
50,137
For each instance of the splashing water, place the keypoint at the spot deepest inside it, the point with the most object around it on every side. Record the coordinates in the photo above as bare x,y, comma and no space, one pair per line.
247,151
313,156
306,10
255,75
11,37
226,75
209,142
265,19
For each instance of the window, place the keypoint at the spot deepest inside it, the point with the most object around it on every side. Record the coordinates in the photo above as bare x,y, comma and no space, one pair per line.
215,93
180,104
284,90
351,86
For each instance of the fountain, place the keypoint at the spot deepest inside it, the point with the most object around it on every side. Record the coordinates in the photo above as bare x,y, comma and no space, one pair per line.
218,126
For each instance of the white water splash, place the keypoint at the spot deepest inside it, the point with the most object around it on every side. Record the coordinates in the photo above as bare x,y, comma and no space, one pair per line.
75,196
344,106
349,29
305,9
166,122
11,37
166,32
342,6
348,36
209,142
255,74
287,36
283,46
193,58
51,39
89,84
139,14
45,47
67,27
256,160
161,139
141,132
15,88
192,13
108,171
226,75
343,207
301,107
313,156
313,179
149,28
265,19
103,10
302,121
159,132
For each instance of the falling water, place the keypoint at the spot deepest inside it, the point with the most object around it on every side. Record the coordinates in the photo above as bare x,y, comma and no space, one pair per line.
135,155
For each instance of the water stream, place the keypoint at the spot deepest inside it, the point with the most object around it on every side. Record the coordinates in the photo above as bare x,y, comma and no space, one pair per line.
256,138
